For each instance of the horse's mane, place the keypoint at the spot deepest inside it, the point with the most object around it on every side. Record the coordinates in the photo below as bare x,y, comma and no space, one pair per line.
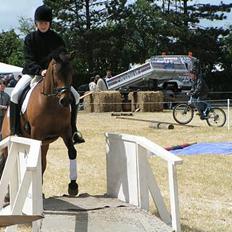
60,55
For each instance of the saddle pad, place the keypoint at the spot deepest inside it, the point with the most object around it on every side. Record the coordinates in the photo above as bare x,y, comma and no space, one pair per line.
26,100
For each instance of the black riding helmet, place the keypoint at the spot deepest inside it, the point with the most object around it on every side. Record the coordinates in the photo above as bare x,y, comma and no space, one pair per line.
43,13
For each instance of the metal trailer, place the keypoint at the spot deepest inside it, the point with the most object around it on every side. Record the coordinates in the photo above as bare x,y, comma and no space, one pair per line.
163,68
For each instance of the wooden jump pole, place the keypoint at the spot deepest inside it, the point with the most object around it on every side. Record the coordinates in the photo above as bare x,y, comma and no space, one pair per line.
146,120
160,125
85,95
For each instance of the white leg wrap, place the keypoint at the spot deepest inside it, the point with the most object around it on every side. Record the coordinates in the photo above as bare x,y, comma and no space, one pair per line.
73,169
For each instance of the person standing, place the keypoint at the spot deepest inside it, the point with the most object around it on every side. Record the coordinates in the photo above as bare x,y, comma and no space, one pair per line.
92,84
108,74
38,45
101,84
4,101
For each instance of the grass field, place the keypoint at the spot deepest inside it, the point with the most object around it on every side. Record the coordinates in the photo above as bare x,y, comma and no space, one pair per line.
205,181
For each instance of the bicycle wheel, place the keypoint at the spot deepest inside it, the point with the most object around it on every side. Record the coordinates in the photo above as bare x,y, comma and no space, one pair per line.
216,117
183,113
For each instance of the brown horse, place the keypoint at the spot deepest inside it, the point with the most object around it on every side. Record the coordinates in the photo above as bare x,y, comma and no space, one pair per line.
48,115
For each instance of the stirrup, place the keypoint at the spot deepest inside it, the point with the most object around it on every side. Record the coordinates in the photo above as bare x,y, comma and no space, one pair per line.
77,137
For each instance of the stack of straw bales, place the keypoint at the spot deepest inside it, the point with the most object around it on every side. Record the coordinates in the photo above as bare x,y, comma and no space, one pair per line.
104,101
88,103
147,101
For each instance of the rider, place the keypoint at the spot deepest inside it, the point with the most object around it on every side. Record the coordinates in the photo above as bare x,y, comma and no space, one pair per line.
37,47
199,90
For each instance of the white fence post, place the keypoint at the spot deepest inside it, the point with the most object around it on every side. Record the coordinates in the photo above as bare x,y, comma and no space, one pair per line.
174,200
130,178
22,173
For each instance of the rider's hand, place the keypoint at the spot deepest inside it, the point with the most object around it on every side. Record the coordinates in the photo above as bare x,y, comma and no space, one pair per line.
43,73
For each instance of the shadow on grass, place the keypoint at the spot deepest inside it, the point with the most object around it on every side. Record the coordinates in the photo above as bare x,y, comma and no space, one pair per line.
75,210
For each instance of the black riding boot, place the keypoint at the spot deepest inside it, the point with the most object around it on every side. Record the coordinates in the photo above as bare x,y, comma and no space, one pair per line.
76,135
14,118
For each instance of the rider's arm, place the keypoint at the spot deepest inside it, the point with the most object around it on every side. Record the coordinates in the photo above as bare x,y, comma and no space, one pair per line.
31,66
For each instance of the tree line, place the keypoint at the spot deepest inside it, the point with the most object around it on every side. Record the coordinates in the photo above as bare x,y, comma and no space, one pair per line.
113,34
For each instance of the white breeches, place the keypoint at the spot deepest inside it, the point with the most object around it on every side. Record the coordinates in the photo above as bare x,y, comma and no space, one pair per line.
25,81
20,86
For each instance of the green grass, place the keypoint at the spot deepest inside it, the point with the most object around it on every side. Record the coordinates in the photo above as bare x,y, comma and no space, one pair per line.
205,181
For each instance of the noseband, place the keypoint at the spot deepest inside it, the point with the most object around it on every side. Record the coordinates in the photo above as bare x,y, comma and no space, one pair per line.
58,91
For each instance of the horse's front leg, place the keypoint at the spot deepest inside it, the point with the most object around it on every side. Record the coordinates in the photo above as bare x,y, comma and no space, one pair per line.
44,150
72,153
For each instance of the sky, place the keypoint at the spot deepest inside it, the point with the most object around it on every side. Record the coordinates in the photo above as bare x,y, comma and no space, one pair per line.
11,10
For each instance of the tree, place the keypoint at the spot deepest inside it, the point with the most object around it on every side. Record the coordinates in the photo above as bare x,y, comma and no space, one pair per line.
76,20
11,48
144,27
87,29
183,18
26,25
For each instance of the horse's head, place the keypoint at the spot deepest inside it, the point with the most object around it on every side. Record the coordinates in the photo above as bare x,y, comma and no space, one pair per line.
59,77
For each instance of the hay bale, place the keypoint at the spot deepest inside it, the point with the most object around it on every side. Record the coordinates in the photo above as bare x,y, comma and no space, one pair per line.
107,101
126,105
88,103
147,101
132,96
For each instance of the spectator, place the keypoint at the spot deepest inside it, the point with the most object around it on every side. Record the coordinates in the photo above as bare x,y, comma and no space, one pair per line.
92,84
4,101
108,74
101,84
12,82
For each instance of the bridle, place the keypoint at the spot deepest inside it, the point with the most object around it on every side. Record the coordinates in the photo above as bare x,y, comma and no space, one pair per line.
55,90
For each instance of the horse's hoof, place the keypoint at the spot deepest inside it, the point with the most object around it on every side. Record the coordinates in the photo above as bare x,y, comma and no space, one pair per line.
73,188
77,138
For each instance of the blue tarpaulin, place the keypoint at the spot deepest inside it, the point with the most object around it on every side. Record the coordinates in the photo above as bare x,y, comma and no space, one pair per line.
224,148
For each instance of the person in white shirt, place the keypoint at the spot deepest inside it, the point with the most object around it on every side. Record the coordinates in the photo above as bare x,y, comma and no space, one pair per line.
92,84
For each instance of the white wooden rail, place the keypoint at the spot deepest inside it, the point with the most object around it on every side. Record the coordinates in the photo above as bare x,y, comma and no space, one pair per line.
130,178
22,176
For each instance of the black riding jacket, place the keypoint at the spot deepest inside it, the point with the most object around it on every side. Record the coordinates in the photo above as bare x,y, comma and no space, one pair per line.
37,47
199,88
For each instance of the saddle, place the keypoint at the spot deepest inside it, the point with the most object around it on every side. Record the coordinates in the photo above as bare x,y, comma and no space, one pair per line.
24,97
